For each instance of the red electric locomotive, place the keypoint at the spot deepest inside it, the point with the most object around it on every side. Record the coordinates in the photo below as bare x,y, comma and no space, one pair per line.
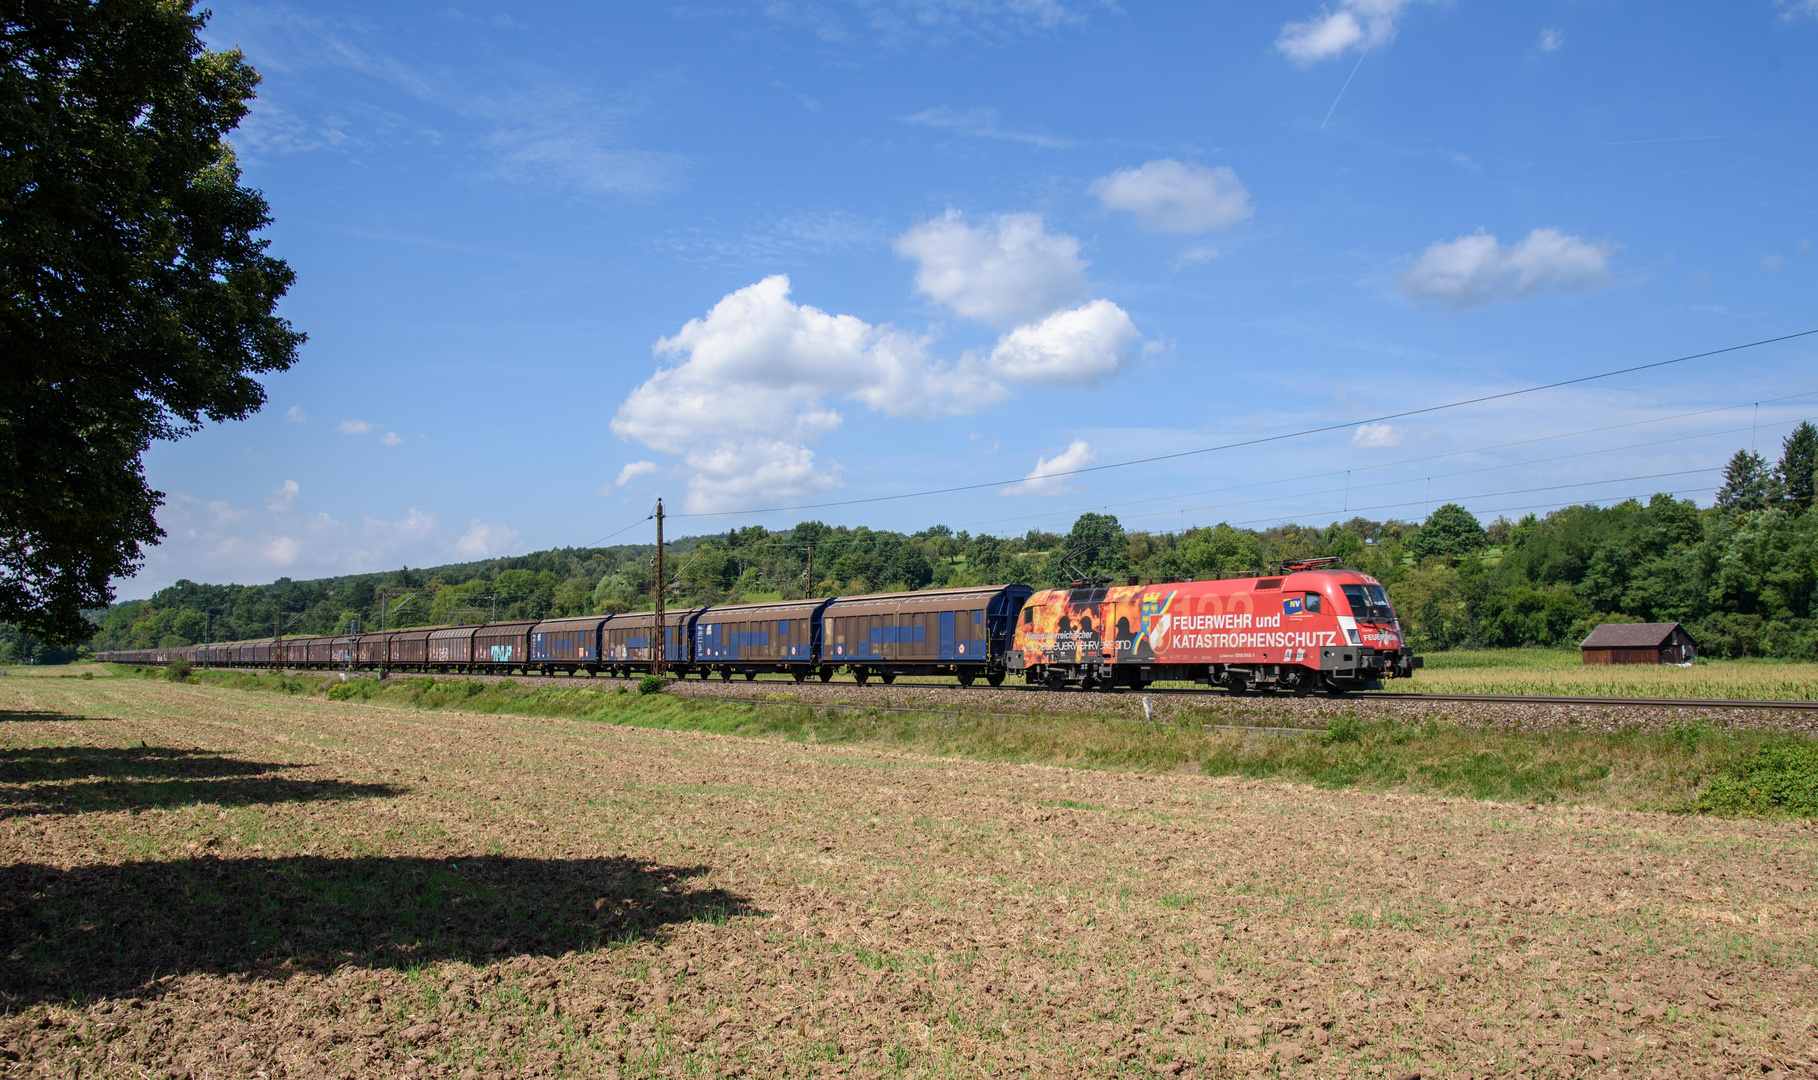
1311,627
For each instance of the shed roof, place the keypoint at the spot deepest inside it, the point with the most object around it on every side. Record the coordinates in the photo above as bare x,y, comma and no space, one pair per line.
1645,635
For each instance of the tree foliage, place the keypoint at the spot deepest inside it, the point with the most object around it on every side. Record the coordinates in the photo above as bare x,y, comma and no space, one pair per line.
1747,483
137,299
1744,581
1798,468
1450,531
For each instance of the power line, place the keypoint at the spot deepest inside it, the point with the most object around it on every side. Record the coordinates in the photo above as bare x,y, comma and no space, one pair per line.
1492,494
1428,457
1261,439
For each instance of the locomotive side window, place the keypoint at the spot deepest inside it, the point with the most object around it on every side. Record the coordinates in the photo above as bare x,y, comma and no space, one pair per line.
1312,603
1028,616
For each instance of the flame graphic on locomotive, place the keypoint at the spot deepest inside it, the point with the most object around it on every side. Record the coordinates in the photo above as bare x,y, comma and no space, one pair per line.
1312,627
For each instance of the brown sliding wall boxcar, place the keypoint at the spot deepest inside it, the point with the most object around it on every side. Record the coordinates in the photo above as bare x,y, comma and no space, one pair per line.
567,644
502,646
374,650
625,640
932,632
451,648
409,649
750,638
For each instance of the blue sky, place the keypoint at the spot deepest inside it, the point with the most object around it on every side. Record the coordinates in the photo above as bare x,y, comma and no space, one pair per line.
557,260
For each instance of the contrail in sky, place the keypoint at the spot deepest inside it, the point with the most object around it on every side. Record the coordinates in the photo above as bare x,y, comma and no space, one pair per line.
1342,89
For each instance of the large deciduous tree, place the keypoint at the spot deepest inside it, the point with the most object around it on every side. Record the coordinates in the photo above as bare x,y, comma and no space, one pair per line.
135,297
1451,531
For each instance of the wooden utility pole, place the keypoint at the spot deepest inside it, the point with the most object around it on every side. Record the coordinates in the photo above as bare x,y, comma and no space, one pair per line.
810,571
659,644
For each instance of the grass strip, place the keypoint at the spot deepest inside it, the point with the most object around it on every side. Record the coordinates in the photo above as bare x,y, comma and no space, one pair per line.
1692,768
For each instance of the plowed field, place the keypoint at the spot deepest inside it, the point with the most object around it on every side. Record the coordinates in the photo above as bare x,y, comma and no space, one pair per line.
212,883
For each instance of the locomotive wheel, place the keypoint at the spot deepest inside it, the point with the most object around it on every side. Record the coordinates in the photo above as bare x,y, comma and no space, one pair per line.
995,678
888,677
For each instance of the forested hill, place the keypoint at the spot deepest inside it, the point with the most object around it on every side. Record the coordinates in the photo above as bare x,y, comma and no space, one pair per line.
1740,574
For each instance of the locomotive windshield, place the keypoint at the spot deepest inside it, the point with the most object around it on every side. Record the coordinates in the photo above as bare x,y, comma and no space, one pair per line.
1369,602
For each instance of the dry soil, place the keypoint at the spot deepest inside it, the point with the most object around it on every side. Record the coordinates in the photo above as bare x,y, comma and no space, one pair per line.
208,883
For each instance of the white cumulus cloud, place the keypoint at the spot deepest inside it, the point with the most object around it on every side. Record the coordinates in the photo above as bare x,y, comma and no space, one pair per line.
1083,345
1371,436
391,438
1552,40
1003,272
1350,24
482,541
1050,475
355,427
634,470
296,415
1475,270
750,387
1177,196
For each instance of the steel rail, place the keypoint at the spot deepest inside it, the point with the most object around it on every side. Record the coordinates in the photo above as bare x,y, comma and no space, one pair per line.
1356,695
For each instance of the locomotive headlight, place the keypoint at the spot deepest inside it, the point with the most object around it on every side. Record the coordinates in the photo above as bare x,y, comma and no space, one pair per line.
1355,640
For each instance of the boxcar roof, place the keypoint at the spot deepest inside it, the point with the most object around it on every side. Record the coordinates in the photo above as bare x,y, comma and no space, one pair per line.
772,609
927,599
639,618
453,633
573,622
1646,635
500,627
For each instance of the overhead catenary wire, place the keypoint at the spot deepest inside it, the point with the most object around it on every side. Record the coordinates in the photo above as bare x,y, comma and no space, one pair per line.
1347,473
1260,439
1512,491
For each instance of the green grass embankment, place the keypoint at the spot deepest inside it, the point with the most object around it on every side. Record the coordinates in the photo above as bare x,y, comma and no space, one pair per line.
1692,768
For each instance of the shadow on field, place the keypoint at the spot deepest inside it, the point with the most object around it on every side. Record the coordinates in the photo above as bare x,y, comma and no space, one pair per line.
82,779
41,716
104,930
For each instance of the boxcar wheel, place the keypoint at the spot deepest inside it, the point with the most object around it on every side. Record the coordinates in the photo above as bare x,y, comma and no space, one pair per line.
826,674
996,678
859,675
725,674
888,677
800,675
966,678
750,675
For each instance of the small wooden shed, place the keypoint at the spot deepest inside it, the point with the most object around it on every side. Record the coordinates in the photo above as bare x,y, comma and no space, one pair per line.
1639,643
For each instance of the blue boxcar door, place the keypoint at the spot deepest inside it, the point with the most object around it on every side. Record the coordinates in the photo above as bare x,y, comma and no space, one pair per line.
946,635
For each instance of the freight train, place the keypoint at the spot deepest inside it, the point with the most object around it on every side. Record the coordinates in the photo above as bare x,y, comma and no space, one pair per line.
1311,626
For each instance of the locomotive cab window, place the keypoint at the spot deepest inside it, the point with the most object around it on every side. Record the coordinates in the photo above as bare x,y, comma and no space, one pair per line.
1369,602
1312,603
1028,616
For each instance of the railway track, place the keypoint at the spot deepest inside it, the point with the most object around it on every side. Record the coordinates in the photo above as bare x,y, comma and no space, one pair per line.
1184,692
1554,699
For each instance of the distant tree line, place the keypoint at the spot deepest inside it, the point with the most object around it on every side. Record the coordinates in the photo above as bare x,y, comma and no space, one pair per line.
1742,575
